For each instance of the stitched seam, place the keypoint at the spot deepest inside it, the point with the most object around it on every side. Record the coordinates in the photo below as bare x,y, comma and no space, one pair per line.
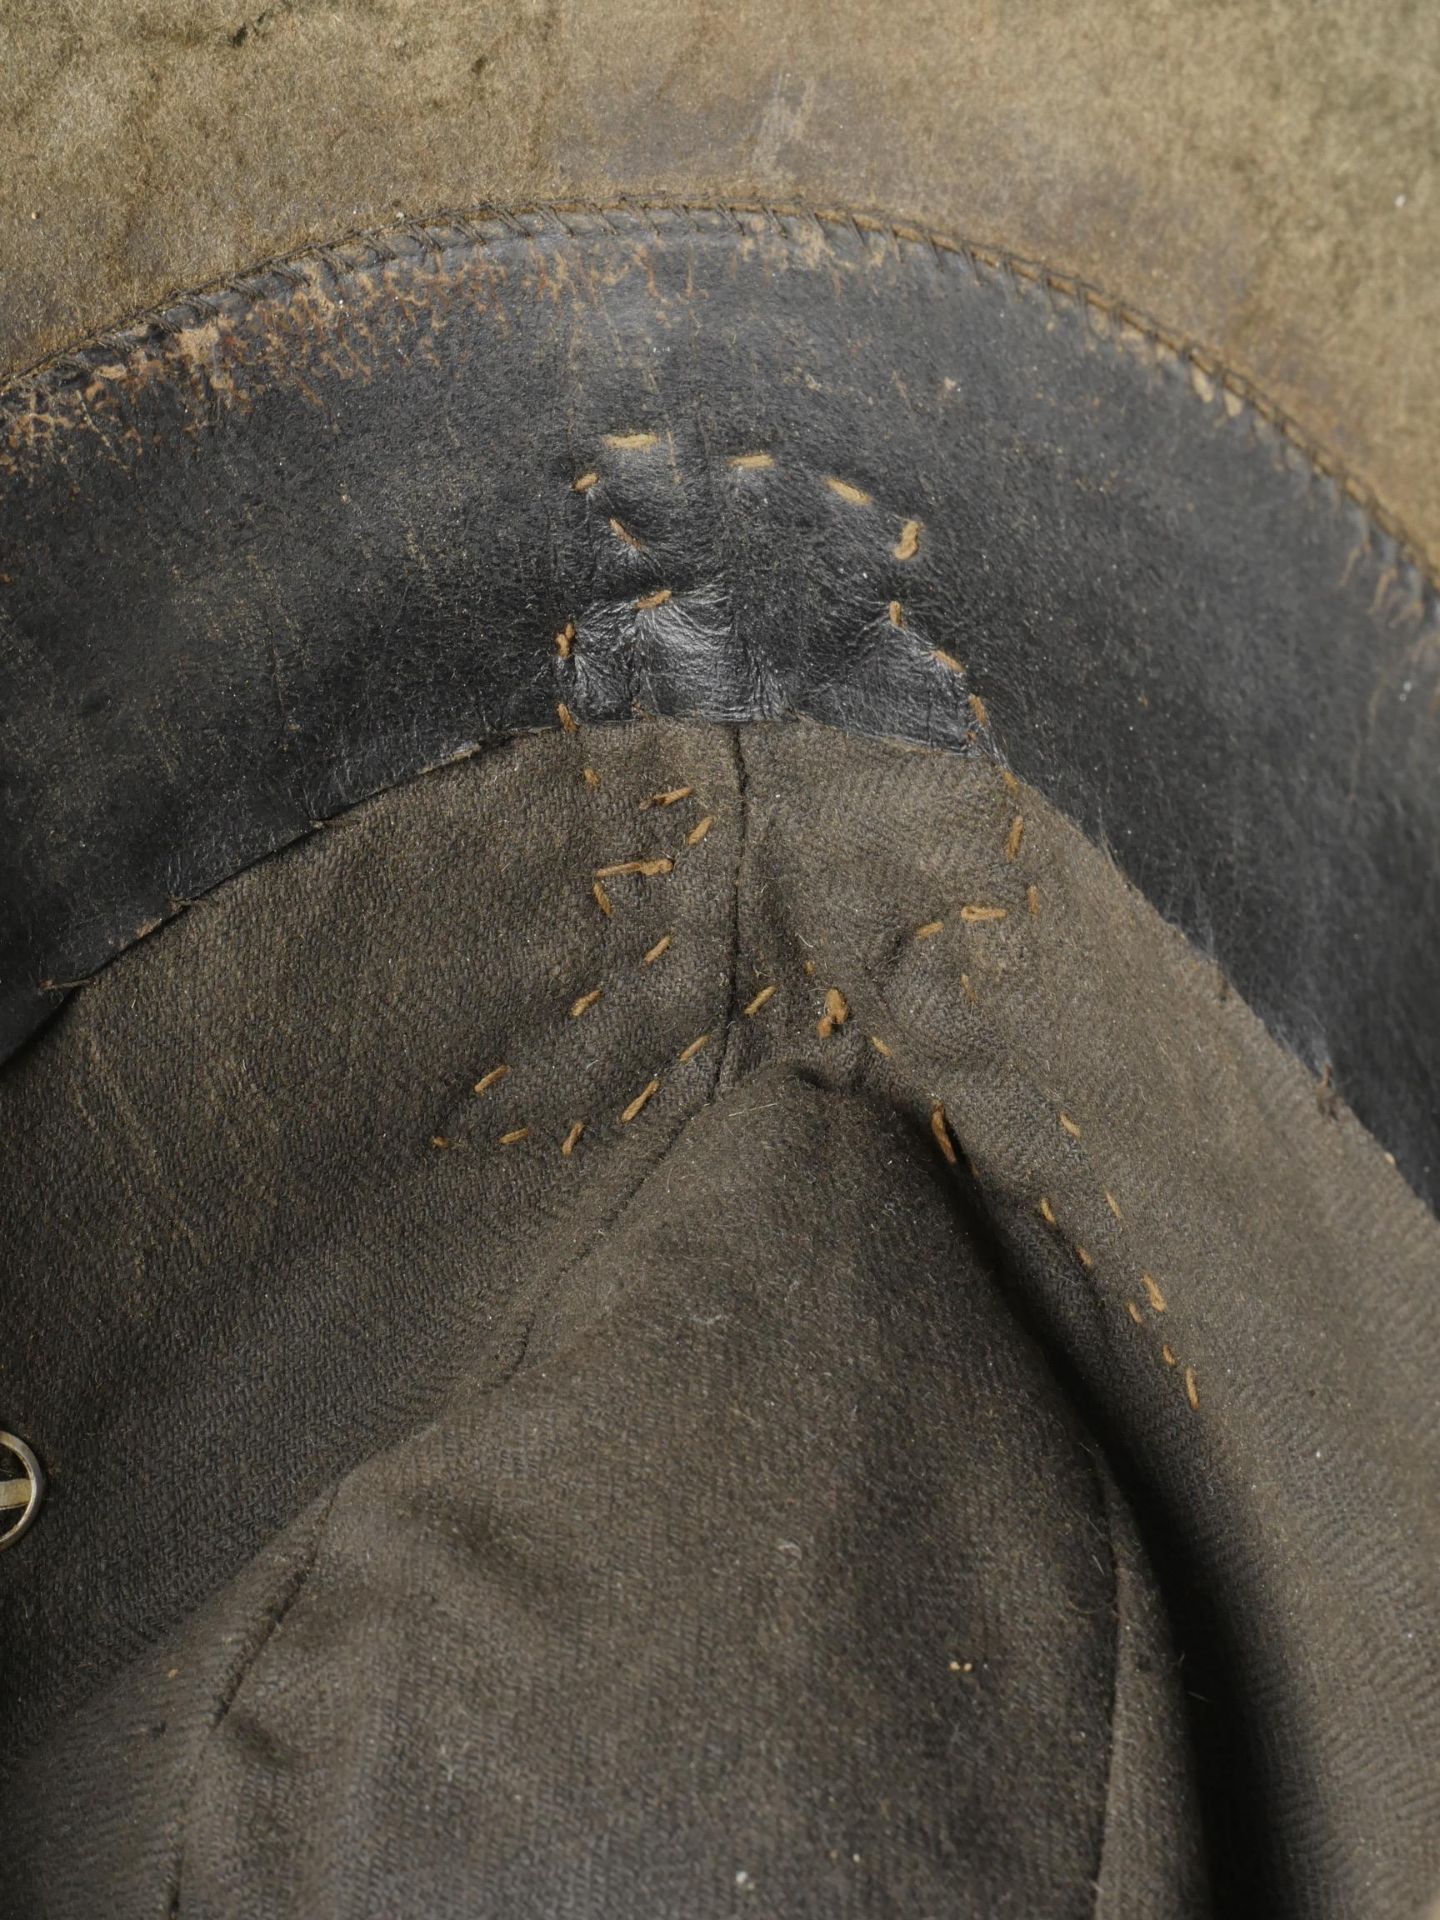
1107,1494
734,1013
482,225
278,1614
994,915
301,1576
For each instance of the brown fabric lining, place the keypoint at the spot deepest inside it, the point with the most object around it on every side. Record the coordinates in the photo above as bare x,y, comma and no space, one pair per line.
274,1281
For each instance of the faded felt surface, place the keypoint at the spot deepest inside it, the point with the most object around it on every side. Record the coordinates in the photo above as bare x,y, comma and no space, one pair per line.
1265,179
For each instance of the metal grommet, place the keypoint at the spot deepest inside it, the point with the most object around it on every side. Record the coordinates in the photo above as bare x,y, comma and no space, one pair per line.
19,1494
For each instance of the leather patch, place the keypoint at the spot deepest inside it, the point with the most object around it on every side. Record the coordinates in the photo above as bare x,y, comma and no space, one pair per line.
305,537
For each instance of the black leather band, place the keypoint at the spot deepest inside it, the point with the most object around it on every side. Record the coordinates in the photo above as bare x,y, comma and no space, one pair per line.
310,535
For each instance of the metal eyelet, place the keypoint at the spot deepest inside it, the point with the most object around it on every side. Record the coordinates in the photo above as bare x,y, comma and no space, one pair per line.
19,1494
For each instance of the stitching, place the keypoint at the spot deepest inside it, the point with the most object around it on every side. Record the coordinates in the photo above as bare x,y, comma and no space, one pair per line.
665,797
583,1003
837,1012
905,548
647,869
338,260
1075,1132
852,495
1126,325
642,1099
1068,1124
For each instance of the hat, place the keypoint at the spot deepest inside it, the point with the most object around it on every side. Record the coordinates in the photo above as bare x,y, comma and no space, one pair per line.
718,962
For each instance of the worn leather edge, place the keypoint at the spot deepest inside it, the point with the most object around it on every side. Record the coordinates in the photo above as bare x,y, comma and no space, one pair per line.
480,223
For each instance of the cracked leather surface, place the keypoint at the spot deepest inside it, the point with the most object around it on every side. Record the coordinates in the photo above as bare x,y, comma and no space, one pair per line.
360,515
